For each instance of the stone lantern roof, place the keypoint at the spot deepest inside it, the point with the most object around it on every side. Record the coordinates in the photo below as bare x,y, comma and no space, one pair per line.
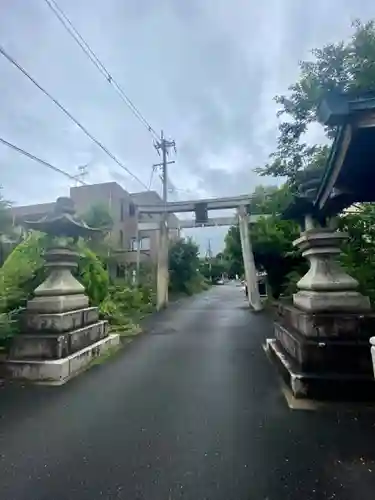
62,221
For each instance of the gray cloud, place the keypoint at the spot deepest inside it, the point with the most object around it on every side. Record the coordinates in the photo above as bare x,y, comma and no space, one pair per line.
204,70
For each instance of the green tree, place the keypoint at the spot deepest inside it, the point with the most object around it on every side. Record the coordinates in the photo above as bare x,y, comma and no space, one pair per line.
346,66
184,266
214,268
271,237
272,243
99,216
270,200
358,252
233,251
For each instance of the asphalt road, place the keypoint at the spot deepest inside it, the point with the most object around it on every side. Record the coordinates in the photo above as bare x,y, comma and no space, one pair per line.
192,410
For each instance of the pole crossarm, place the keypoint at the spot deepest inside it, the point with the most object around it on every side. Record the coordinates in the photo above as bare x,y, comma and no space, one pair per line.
189,206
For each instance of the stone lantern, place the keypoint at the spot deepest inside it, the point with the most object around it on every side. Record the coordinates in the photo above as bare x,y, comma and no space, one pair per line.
321,338
61,333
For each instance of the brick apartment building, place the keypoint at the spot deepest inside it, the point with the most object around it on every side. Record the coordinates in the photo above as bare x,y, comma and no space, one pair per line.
129,227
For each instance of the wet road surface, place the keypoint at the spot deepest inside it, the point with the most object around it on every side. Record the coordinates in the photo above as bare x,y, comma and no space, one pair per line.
192,410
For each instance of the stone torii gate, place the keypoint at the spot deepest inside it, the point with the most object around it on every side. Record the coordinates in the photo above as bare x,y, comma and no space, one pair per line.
201,208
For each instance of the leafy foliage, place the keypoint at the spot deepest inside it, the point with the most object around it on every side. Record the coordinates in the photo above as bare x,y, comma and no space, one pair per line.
124,306
214,268
358,252
233,251
92,275
21,272
271,240
270,200
184,267
98,216
347,66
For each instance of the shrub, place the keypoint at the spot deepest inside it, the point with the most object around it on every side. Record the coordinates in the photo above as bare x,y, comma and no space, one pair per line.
92,275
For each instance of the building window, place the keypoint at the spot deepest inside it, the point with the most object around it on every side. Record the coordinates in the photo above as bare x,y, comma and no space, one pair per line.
145,243
121,238
131,209
133,244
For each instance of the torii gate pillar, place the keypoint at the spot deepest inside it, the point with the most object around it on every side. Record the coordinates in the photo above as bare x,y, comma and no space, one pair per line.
248,260
162,278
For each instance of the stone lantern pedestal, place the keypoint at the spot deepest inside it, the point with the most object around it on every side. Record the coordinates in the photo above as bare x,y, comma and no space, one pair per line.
60,333
321,339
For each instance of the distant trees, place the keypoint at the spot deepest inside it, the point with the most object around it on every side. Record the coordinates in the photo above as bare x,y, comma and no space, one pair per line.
271,239
214,268
184,267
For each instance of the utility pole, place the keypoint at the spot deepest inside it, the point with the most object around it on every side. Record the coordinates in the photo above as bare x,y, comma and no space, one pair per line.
163,145
82,174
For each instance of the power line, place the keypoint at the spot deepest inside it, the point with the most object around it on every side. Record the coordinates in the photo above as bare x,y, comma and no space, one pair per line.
75,34
64,110
42,162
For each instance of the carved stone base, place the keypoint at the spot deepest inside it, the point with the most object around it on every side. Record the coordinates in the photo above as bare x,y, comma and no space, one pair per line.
345,325
347,301
59,322
320,386
324,355
58,371
56,345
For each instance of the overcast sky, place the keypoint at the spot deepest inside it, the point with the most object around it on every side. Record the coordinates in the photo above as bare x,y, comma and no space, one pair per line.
203,70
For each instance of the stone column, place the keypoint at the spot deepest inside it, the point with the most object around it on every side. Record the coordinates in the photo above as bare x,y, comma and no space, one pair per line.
162,268
61,291
248,260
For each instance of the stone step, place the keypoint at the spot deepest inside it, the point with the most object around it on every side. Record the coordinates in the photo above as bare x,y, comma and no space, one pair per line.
59,322
318,385
58,371
56,346
325,354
